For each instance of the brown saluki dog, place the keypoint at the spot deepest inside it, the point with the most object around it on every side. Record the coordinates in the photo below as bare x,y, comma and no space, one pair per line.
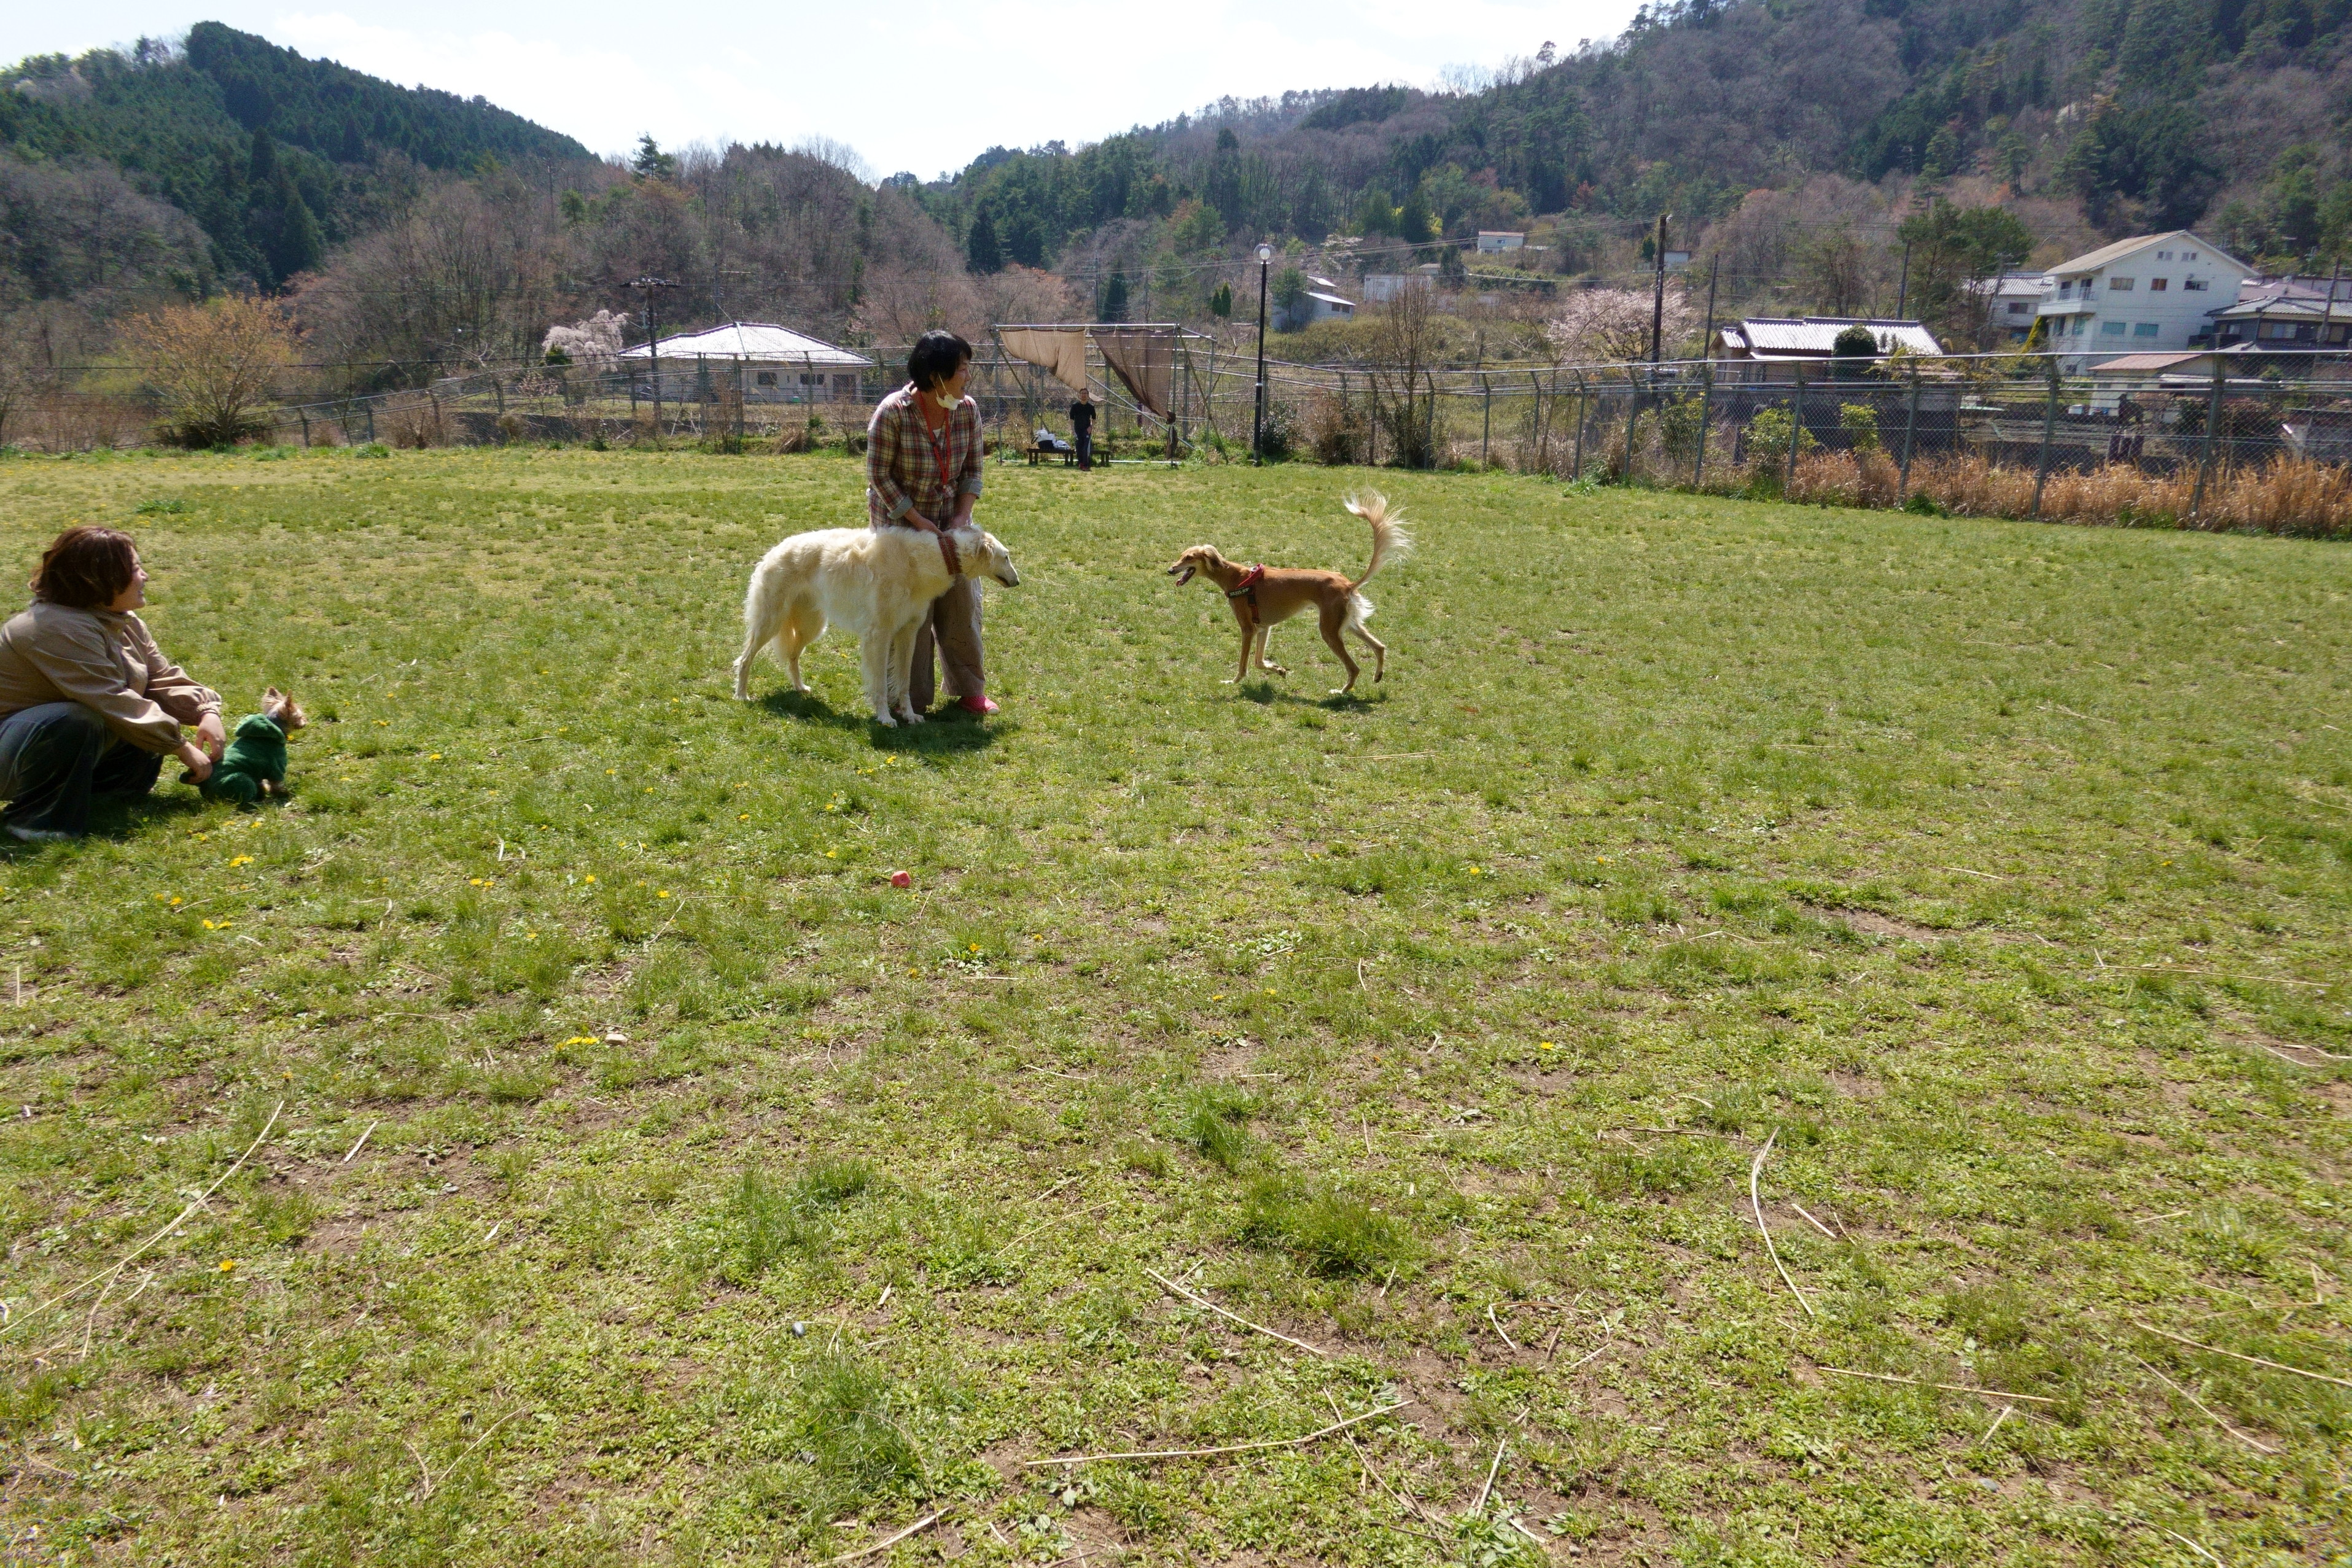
1262,595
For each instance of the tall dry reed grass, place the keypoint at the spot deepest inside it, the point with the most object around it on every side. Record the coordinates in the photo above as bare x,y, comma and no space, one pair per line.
2285,495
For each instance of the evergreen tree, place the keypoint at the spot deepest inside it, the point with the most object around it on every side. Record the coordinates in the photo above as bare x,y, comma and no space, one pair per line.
1851,353
1414,224
1114,298
1220,303
1226,178
981,252
1943,153
651,162
296,245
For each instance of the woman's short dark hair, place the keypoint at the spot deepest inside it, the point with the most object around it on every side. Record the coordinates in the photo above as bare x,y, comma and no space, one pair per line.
935,357
86,568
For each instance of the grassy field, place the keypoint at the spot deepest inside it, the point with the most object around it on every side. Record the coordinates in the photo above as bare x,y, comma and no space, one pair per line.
645,1179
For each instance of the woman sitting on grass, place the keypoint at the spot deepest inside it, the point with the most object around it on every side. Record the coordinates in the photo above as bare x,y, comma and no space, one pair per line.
89,704
923,471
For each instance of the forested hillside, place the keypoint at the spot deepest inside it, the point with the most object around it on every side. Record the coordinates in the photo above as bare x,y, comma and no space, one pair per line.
227,160
2143,113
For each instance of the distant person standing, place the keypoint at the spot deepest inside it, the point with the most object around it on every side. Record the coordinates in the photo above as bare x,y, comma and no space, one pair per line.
922,472
1082,426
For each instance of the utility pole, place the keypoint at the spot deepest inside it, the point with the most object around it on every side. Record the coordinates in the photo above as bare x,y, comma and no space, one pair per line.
1257,422
1903,290
646,285
1658,298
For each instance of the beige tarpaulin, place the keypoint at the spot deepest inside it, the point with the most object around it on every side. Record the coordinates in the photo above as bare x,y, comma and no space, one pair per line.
1060,350
1145,359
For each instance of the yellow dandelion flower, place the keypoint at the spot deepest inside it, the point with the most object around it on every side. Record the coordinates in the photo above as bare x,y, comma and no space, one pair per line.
1218,998
238,860
976,946
590,877
434,757
1545,1045
831,854
229,1265
742,816
663,894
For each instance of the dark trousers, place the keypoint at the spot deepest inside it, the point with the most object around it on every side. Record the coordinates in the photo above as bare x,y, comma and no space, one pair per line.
953,628
55,759
1085,448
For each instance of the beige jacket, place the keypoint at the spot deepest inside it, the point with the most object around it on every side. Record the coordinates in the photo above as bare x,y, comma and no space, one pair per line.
102,659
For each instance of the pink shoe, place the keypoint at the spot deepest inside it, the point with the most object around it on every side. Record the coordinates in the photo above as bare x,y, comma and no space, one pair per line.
977,704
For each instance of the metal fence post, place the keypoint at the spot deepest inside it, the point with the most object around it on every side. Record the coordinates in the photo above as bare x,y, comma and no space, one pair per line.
306,426
1796,427
2049,429
1486,419
2205,464
370,406
1580,426
1633,416
1706,411
1910,431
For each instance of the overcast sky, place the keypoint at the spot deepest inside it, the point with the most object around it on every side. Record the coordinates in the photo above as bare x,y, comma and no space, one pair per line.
910,84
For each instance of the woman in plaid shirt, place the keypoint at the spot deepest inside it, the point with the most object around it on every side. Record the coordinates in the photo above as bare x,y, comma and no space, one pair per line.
923,471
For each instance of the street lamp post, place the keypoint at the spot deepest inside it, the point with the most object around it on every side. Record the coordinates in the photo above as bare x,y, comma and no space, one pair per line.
1257,423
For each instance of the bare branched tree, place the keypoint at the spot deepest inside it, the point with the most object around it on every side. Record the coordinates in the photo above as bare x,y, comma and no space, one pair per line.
216,365
1404,343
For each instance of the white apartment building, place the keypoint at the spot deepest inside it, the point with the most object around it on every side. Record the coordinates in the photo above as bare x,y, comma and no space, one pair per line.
2143,294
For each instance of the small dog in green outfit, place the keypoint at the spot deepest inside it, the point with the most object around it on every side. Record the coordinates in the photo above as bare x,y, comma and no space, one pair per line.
254,763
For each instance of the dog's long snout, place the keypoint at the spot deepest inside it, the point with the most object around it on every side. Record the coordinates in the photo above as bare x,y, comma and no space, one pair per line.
1181,571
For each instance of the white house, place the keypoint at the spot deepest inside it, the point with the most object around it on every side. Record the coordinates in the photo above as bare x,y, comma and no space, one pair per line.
2012,301
1491,241
770,363
2145,295
1771,347
1316,305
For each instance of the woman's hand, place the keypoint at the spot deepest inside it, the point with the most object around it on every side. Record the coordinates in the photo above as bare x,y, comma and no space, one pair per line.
947,545
213,735
199,764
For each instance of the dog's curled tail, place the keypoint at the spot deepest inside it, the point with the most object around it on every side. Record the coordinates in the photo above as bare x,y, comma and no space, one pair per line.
1390,540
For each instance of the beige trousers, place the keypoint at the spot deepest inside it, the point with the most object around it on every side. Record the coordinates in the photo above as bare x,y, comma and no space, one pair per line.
954,625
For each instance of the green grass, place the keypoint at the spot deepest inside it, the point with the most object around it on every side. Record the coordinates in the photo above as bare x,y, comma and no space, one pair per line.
720,1202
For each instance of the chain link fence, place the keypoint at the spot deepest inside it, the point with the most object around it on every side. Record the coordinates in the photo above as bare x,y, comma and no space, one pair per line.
2213,441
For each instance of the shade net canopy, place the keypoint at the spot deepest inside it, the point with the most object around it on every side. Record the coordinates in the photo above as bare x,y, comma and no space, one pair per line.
1061,351
1144,357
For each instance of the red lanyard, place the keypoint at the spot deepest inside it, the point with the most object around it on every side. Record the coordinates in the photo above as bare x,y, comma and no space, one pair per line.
940,444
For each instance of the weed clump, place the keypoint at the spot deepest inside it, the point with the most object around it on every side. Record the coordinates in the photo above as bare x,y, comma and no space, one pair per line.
764,1221
1215,1124
1330,1232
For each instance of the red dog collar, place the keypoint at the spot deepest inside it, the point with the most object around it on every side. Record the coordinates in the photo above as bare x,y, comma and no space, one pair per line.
1248,586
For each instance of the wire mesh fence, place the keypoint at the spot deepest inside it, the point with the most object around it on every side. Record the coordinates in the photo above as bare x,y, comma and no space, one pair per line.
2212,439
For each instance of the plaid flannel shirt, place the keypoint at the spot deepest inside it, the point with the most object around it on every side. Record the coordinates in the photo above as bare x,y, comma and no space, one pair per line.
902,468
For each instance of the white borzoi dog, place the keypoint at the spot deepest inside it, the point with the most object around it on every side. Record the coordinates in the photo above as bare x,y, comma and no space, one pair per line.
878,584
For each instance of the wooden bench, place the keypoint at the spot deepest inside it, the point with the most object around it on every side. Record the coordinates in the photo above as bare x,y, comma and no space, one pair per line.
1037,454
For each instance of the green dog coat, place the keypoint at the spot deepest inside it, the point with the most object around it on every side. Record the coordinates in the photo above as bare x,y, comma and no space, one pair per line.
258,753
